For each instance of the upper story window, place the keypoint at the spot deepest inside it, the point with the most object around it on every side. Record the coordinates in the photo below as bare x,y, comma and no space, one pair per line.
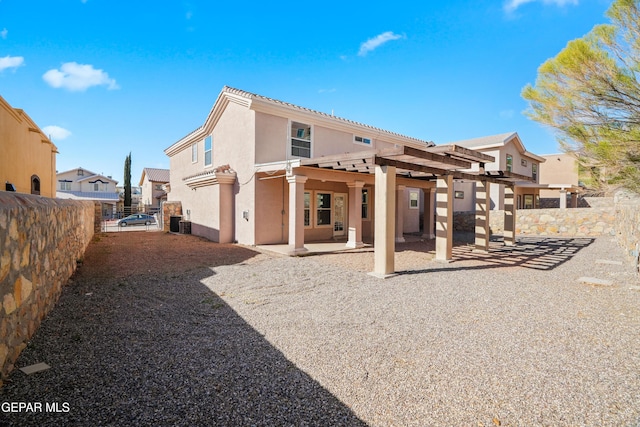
80,172
534,171
362,140
300,140
208,145
194,153
509,163
158,187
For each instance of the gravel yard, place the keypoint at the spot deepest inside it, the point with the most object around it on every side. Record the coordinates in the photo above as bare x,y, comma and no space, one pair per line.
162,329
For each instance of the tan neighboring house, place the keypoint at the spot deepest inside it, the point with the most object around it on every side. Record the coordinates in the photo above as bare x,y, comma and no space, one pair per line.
560,180
510,155
153,184
82,184
28,157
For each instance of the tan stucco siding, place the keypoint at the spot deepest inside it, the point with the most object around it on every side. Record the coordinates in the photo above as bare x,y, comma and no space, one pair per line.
271,138
24,153
232,144
271,205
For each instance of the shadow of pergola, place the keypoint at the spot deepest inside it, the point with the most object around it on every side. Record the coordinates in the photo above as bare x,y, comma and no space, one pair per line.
533,252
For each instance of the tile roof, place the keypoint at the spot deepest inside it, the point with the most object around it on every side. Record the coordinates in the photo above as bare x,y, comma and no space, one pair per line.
484,141
88,195
226,90
157,175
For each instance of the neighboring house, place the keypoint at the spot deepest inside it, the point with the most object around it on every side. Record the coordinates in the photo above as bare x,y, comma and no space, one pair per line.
262,171
28,157
510,155
560,180
82,184
153,183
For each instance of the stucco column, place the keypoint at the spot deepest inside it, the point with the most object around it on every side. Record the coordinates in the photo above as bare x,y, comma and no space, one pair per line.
574,200
355,214
385,210
296,214
563,199
427,216
400,207
483,204
444,218
226,206
509,216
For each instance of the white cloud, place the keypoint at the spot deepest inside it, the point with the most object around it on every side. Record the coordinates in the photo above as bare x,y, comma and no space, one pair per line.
56,132
78,77
327,90
4,33
11,62
511,5
377,41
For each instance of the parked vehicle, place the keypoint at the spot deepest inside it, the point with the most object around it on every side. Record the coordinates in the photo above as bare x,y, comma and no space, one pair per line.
137,219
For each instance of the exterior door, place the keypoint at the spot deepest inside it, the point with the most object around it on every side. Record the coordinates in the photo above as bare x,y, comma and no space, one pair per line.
339,214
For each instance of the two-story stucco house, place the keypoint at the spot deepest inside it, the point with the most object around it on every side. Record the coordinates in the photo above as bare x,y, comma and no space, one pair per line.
260,140
510,155
152,185
82,184
262,171
28,159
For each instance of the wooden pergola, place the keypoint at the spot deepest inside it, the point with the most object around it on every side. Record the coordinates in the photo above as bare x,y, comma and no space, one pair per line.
442,164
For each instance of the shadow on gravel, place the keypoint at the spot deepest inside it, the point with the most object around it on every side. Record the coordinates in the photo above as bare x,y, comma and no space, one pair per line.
538,253
155,347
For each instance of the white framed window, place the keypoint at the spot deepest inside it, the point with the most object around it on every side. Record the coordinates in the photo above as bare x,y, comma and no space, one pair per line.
323,209
362,140
300,140
509,162
365,203
194,152
307,209
208,148
65,186
534,171
414,199
458,195
96,186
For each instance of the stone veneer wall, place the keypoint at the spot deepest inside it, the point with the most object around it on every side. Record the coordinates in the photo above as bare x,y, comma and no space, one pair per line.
41,241
627,207
170,209
618,216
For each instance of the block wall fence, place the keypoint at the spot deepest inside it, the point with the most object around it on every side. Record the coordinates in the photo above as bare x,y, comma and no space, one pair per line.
41,242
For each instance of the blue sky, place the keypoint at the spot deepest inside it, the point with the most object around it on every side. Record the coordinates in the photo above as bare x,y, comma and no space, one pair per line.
105,78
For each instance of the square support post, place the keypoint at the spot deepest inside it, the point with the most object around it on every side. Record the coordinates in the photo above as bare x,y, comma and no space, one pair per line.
385,210
563,199
574,200
509,216
428,225
355,214
400,206
296,214
483,202
444,218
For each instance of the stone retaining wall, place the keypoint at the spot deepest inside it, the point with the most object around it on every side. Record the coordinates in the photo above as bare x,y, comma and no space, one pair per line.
41,242
627,207
578,222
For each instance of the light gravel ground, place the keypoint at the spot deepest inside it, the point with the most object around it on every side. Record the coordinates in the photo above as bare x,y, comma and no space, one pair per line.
510,338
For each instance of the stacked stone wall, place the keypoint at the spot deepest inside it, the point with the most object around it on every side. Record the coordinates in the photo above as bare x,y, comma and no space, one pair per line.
627,207
170,209
41,242
548,222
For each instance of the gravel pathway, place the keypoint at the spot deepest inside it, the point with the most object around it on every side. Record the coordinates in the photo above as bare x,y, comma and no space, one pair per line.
511,339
